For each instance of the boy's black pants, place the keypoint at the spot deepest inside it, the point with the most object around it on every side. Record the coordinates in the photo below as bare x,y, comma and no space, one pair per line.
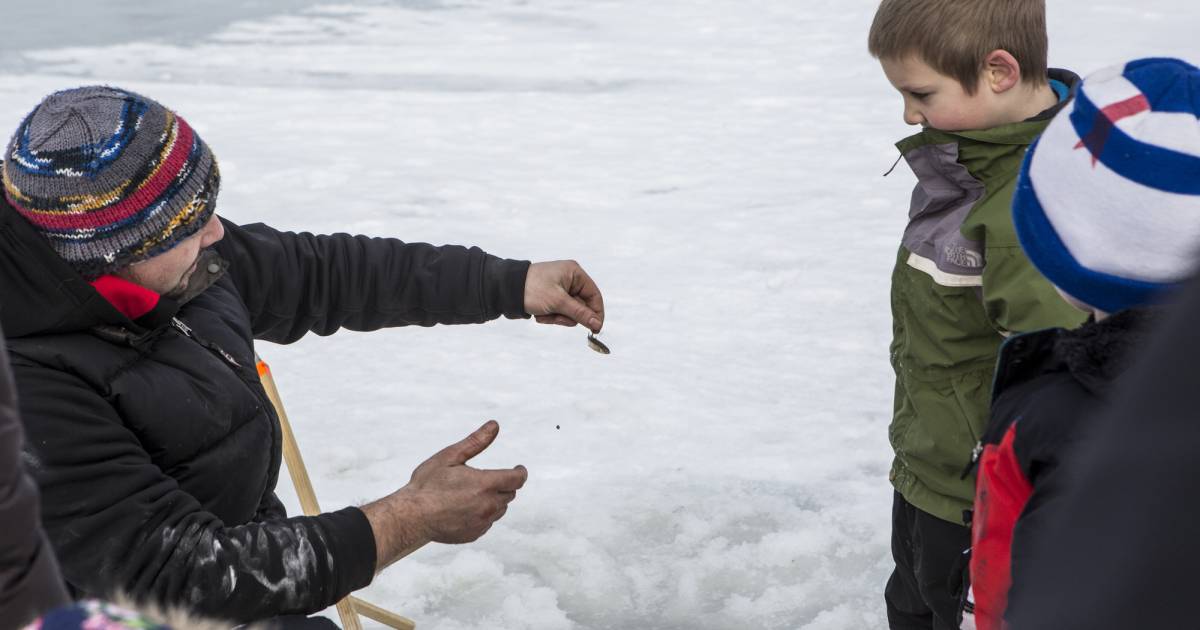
924,591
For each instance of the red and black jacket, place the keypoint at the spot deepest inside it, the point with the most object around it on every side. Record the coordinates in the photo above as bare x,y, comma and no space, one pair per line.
1047,388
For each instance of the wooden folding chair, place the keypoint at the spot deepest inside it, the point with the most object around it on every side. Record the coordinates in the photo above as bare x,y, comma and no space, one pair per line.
351,607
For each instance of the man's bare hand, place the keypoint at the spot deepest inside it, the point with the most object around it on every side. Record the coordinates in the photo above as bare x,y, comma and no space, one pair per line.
561,292
459,502
446,501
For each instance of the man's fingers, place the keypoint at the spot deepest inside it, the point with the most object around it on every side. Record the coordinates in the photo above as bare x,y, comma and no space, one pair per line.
555,319
588,303
462,451
507,479
524,472
577,311
584,288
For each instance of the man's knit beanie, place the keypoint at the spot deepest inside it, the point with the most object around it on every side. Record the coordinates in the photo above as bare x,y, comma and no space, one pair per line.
109,177
1108,200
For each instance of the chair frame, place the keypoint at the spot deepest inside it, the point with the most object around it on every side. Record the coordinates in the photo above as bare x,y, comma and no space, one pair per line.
350,607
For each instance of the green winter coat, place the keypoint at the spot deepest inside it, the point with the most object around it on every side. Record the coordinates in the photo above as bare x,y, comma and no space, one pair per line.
960,286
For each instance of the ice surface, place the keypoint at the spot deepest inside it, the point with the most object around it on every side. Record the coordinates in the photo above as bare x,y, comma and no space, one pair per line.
715,165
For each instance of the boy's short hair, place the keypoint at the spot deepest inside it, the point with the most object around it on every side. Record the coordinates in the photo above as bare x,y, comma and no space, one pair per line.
955,36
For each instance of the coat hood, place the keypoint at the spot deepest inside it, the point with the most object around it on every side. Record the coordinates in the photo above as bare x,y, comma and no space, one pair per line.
39,292
1097,353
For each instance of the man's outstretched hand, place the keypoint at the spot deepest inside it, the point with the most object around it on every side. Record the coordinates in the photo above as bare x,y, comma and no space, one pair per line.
560,292
446,501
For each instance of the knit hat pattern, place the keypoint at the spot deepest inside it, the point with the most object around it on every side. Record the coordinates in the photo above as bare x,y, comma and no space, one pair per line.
109,177
1108,199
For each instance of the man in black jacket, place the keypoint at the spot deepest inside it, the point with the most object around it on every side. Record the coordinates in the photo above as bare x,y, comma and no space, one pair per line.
132,312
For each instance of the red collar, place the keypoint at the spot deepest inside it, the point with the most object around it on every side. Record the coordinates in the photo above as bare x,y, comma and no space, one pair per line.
131,299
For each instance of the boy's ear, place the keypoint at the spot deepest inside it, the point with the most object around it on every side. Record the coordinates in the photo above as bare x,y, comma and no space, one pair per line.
1001,71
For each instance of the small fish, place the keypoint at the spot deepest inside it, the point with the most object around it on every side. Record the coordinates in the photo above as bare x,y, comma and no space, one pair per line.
597,345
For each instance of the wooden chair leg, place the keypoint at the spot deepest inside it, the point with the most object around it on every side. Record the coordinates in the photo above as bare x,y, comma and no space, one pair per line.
350,607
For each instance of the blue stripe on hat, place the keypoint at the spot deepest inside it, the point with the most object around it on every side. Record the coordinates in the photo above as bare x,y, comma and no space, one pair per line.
1171,85
1149,165
1050,255
87,159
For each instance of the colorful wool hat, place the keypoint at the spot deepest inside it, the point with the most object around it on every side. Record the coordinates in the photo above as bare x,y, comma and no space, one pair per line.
1108,201
109,177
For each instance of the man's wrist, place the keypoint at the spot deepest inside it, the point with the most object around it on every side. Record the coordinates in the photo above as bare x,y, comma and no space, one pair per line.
398,523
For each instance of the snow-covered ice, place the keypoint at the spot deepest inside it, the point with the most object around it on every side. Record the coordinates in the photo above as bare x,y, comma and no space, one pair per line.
715,165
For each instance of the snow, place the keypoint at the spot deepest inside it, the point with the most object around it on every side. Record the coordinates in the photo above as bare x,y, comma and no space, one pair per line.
714,164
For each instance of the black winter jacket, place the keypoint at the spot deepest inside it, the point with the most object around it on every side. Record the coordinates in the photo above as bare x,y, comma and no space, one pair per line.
1124,550
1049,387
153,442
29,580
1051,380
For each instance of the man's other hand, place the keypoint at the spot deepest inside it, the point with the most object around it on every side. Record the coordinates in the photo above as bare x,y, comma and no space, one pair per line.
446,501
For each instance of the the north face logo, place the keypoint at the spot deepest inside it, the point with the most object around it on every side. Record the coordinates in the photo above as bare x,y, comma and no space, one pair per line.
962,257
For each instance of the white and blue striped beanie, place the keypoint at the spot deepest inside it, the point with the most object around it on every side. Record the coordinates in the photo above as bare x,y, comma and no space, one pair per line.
1108,200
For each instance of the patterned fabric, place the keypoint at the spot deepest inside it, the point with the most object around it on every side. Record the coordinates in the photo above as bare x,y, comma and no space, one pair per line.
109,177
1108,201
94,615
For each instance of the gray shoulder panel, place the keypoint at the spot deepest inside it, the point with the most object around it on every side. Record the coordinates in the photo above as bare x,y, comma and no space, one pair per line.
942,199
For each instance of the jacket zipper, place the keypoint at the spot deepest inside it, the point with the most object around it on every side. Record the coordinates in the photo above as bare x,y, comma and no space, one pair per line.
215,349
975,453
262,397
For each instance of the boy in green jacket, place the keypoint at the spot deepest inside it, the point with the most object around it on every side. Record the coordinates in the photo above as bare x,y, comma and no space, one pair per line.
973,74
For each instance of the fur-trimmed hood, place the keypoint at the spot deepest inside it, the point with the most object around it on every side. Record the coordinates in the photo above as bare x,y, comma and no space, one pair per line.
1097,353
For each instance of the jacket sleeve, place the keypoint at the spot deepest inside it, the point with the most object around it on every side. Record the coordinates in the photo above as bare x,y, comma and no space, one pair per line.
29,579
119,524
296,283
1018,299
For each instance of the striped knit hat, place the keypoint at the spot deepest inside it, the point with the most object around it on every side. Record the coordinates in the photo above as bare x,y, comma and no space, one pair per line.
1108,201
109,177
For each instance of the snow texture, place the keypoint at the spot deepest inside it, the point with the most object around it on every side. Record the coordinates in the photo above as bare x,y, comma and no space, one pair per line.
714,164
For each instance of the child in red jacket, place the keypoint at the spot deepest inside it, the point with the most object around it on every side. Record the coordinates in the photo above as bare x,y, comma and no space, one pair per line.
1108,209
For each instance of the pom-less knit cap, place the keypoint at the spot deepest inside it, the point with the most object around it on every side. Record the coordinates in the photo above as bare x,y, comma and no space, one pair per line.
109,177
1108,200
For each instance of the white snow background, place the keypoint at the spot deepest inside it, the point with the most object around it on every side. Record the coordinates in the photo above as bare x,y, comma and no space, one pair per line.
714,164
